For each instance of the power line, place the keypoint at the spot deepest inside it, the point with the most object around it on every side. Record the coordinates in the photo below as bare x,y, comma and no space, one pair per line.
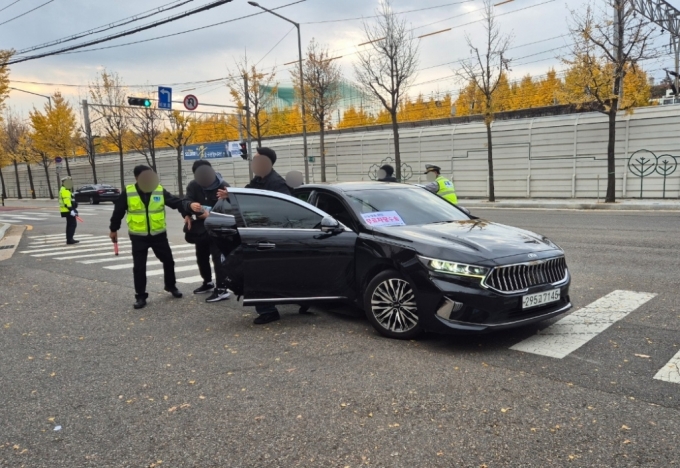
169,19
115,24
29,11
16,1
275,45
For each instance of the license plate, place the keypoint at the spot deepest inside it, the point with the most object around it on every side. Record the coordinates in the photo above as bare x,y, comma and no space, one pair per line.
539,299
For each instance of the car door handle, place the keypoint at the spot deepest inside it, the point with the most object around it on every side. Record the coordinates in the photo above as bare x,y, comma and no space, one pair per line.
265,246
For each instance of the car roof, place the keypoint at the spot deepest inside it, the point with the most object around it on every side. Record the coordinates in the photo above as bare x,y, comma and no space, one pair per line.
353,186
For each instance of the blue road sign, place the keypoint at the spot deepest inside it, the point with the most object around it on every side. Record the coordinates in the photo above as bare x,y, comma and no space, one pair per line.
164,98
206,151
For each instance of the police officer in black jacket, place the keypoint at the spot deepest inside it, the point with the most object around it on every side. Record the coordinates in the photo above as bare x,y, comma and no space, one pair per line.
266,178
201,196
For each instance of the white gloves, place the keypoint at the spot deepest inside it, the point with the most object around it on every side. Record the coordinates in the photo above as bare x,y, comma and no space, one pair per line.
73,213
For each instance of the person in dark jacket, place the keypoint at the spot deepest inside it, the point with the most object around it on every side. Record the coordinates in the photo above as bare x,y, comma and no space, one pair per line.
144,203
385,174
201,195
266,178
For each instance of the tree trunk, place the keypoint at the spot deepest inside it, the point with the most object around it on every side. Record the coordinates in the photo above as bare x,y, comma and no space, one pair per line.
68,168
397,154
2,181
180,189
47,176
152,151
16,174
322,150
611,160
122,168
94,168
30,180
492,190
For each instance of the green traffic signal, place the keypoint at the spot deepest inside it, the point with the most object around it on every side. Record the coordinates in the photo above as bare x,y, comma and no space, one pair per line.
147,103
136,101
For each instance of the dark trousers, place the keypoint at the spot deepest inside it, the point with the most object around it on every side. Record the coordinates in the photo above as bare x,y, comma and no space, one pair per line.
266,309
161,248
71,225
204,251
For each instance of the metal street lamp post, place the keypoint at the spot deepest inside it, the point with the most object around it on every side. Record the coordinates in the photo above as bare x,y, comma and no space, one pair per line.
49,99
302,86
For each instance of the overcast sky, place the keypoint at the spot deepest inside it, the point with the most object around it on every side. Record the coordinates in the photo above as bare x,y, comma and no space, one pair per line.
538,27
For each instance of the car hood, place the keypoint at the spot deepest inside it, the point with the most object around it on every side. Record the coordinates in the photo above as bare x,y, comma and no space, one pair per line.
475,240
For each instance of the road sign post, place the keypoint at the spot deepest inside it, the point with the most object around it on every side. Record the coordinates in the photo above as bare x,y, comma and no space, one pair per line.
164,97
190,102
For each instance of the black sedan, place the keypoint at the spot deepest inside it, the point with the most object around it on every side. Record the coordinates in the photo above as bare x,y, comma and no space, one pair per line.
411,260
95,193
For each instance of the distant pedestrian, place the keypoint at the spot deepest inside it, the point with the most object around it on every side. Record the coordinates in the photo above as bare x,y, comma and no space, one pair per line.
385,174
68,209
266,178
439,184
145,204
201,194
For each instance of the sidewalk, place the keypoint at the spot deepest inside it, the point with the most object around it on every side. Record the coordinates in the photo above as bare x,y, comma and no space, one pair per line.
574,204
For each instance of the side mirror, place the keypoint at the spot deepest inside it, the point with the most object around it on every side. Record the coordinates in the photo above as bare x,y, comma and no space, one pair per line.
330,225
218,224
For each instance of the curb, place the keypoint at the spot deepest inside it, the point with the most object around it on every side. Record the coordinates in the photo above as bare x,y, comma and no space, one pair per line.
573,206
3,229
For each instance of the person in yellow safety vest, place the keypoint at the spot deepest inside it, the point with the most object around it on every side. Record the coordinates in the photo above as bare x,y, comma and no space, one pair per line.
145,204
67,208
439,184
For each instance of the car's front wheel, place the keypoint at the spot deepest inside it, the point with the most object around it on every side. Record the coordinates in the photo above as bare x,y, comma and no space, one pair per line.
390,305
94,201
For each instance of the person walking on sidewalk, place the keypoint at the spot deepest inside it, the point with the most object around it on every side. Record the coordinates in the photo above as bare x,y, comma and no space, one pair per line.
201,195
266,178
439,184
67,208
145,204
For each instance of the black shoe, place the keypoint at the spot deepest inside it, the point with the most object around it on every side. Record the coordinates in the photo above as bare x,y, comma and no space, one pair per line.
219,295
140,304
267,318
205,288
175,293
72,241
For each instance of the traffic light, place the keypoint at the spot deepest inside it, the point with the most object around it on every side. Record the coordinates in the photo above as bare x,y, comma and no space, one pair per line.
244,150
138,101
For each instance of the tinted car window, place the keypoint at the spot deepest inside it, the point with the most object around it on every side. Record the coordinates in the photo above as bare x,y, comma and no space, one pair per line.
263,211
304,196
414,206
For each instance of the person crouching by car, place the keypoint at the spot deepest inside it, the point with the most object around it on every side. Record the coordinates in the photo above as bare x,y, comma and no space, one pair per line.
266,178
201,195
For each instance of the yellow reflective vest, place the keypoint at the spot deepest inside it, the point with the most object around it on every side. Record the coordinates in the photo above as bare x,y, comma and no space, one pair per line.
145,220
65,200
446,190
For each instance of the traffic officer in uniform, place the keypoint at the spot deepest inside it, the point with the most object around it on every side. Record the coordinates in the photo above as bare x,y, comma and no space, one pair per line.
67,207
439,184
145,204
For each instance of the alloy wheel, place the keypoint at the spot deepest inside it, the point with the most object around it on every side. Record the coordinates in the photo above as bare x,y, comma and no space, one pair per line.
393,305
91,200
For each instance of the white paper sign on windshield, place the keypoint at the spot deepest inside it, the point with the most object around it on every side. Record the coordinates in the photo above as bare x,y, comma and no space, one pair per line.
383,218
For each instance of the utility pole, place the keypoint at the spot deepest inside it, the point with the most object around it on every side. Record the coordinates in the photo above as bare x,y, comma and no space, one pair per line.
88,135
250,139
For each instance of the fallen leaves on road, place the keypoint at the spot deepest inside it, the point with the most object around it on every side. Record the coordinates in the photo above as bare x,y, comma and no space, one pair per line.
505,410
625,428
643,356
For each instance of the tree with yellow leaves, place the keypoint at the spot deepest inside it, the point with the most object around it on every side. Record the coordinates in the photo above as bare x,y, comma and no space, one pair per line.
356,118
13,144
5,55
177,137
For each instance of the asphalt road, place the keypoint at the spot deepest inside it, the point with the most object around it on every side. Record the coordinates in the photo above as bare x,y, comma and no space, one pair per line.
184,383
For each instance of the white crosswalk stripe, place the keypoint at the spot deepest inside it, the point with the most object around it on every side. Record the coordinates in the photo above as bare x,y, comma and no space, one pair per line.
124,266
57,250
671,371
20,216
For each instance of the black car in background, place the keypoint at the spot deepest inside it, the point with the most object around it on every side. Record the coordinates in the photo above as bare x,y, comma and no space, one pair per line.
96,193
411,260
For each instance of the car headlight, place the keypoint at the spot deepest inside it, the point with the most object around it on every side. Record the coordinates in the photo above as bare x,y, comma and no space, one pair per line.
455,268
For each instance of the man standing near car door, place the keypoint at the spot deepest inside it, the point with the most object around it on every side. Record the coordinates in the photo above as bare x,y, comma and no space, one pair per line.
439,184
201,197
67,208
266,178
145,204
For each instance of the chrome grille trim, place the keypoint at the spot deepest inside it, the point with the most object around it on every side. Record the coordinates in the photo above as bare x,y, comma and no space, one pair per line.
516,278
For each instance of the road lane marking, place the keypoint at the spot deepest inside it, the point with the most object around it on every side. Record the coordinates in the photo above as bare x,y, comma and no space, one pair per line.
56,242
177,270
573,331
57,250
148,263
48,236
98,249
190,279
109,252
671,371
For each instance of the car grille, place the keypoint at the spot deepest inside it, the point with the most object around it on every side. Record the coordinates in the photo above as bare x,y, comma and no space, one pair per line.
513,278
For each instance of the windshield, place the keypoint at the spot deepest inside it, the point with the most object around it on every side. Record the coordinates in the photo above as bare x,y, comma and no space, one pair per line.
402,207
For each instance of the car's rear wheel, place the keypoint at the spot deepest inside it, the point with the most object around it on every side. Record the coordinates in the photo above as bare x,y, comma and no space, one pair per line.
390,305
94,201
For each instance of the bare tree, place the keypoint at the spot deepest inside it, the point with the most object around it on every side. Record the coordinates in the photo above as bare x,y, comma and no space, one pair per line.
178,136
485,70
322,90
146,124
108,100
387,67
260,94
602,54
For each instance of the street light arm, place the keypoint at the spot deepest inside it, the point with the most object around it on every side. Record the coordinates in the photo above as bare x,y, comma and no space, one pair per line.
49,99
297,25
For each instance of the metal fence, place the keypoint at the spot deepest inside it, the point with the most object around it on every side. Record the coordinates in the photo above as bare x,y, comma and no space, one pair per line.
546,157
